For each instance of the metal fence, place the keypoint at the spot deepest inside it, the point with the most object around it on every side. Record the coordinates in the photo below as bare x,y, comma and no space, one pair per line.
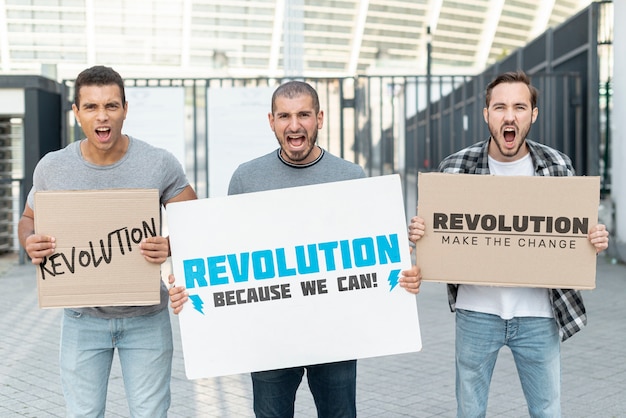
385,123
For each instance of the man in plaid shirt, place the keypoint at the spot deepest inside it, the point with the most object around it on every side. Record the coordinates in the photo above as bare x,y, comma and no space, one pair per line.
530,321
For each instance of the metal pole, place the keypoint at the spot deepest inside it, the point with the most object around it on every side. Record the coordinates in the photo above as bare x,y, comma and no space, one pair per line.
429,156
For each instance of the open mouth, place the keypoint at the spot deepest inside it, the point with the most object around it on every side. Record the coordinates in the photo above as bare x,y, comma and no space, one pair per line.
103,133
296,140
509,136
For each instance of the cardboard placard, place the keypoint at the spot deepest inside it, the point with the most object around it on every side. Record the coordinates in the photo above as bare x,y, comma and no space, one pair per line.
97,261
292,277
508,230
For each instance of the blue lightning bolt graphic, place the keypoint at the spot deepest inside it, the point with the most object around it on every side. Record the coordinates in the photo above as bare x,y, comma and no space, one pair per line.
198,303
394,275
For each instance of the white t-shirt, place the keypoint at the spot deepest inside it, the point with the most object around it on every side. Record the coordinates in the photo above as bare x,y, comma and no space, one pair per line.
506,302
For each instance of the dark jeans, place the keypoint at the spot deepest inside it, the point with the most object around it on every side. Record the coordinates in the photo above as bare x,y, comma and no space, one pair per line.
333,386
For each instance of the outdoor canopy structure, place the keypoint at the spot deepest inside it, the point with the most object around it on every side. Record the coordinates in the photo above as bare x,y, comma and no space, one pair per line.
270,38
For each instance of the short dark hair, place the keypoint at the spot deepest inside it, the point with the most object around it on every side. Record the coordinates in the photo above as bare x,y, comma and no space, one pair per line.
98,75
293,89
512,77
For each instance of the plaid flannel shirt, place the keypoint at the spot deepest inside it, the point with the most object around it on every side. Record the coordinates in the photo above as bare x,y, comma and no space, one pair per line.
567,304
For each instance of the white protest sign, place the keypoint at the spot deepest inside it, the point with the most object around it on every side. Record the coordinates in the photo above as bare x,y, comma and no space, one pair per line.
292,277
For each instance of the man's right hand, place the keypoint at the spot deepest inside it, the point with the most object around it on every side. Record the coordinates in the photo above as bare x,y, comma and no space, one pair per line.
39,246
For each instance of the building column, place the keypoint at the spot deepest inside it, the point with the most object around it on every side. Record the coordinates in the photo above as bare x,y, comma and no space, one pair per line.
617,244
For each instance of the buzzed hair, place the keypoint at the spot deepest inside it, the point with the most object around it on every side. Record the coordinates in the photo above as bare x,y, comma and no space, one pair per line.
98,75
512,77
293,89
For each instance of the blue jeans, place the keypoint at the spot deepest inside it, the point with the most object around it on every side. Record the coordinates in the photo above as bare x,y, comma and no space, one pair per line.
535,345
333,386
144,345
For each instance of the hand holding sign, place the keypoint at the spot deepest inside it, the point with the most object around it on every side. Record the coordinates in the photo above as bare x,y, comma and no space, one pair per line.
155,249
38,247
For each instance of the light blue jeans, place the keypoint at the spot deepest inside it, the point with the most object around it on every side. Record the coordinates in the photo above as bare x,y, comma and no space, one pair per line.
144,346
333,386
535,345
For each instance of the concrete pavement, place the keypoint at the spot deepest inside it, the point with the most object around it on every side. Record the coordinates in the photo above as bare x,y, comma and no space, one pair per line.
410,385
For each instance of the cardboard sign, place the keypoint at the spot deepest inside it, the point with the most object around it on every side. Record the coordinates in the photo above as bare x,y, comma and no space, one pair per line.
508,230
97,261
293,277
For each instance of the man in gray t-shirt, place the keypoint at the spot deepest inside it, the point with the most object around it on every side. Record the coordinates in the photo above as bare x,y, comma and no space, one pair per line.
107,159
295,119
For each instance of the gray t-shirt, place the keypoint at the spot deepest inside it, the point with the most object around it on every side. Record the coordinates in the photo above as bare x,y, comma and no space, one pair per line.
142,167
271,172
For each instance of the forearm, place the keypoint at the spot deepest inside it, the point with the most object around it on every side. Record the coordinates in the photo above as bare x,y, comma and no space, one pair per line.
25,228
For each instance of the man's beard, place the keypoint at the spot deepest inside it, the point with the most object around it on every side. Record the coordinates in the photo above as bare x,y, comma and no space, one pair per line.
299,156
505,151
